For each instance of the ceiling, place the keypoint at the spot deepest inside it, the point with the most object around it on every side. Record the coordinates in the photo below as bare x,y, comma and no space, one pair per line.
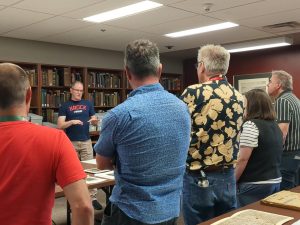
60,21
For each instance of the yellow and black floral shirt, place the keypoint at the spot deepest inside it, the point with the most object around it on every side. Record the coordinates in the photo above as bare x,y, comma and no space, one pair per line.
216,110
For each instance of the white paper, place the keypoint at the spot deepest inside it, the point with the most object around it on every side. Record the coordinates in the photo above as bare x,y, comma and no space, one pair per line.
296,223
94,180
107,175
91,161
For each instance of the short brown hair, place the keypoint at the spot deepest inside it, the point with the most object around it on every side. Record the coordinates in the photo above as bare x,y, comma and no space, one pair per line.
13,85
259,105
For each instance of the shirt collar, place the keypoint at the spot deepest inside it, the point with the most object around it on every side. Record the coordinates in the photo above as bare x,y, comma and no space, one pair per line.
282,93
146,89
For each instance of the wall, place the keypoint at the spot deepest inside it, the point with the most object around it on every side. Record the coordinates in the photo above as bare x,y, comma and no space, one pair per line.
283,58
49,53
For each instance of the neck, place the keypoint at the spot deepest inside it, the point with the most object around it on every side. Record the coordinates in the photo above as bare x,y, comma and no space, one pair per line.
149,80
19,111
278,93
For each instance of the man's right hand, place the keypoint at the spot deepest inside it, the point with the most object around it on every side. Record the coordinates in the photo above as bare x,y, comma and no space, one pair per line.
77,122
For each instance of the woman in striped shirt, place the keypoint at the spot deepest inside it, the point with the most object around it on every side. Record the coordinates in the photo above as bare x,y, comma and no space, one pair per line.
261,145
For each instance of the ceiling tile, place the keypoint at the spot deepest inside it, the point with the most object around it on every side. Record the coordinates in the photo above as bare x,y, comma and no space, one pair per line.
256,9
55,7
274,18
8,2
48,27
12,18
198,5
115,42
85,33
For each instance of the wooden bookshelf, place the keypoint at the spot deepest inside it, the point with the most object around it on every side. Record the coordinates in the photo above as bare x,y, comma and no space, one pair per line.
106,88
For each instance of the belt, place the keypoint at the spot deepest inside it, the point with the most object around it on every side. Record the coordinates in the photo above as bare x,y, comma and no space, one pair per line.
212,168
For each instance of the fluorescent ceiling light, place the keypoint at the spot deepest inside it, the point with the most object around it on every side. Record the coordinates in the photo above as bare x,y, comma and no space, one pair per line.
259,44
219,26
124,11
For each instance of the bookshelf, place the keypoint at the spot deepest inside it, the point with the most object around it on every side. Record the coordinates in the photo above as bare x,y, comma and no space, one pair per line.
106,88
172,82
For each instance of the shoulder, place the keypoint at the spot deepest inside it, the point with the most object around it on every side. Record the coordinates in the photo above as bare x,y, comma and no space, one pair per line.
46,134
250,125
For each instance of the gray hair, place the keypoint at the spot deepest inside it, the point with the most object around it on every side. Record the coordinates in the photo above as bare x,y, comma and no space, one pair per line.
14,83
215,59
76,82
142,58
286,80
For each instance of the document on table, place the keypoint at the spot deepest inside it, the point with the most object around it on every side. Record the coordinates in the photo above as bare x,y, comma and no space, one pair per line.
253,217
91,161
94,180
106,175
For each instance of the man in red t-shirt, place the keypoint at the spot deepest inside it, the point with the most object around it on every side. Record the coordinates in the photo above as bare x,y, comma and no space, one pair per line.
33,158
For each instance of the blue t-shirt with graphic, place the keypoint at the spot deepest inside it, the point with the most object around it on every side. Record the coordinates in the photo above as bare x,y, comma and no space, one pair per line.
78,110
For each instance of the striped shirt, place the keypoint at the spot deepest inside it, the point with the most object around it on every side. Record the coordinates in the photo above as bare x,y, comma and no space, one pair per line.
287,108
249,136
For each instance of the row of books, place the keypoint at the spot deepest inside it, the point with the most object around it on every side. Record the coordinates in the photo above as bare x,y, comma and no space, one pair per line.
54,98
167,83
104,99
171,83
32,76
104,80
50,115
59,77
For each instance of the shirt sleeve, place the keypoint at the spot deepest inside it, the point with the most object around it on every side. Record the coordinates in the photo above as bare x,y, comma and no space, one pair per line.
68,166
283,111
62,110
249,135
105,145
92,109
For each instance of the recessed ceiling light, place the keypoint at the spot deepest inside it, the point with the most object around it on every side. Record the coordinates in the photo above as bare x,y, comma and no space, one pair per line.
199,30
124,11
259,44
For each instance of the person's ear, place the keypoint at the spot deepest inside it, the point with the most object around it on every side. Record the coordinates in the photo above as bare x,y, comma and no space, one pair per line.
159,70
127,73
28,95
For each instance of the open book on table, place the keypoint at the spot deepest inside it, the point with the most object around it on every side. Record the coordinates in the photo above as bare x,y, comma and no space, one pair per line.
283,199
253,217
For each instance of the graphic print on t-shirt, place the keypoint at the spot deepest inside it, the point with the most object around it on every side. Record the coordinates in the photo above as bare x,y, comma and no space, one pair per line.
77,108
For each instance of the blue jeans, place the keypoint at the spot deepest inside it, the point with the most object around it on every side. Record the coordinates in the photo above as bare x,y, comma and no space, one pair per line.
290,170
203,203
113,215
249,193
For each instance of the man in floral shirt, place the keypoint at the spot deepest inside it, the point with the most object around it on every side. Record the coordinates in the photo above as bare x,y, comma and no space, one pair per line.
216,110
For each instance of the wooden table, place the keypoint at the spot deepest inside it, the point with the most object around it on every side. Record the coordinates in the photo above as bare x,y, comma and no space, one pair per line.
265,208
106,186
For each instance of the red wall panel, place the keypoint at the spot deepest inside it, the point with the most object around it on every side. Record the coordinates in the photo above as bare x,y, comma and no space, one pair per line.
283,58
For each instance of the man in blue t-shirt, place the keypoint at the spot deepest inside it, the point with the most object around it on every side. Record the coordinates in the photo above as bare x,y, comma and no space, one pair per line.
146,140
75,117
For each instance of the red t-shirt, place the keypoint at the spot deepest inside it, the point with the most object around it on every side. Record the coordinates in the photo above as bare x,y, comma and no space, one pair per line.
32,159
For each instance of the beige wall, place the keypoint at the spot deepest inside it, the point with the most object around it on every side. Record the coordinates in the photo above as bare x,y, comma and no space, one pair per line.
58,54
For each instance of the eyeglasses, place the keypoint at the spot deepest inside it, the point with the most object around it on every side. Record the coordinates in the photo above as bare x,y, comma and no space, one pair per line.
197,64
77,90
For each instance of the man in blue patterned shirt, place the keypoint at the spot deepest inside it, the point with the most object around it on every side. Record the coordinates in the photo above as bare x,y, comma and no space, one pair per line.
216,110
146,140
